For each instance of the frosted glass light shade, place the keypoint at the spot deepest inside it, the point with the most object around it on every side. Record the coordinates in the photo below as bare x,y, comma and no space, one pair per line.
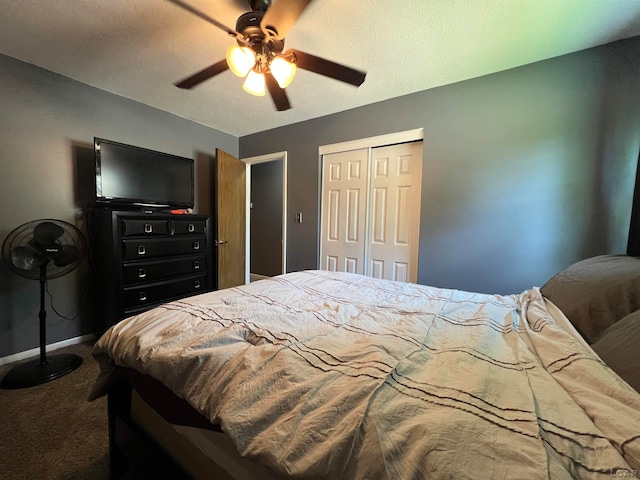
240,60
254,84
283,71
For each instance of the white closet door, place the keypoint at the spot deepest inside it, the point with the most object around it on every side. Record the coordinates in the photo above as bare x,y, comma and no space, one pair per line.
370,220
343,211
394,212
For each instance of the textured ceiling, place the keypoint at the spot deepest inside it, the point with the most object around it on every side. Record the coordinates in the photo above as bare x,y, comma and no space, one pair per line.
139,48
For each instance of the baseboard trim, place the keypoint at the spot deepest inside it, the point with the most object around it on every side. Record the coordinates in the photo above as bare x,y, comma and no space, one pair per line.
16,357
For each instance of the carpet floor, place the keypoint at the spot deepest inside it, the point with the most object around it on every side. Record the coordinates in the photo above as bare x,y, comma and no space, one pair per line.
52,431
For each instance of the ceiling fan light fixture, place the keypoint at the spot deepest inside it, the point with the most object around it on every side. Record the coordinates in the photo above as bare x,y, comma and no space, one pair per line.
283,71
240,59
259,55
254,84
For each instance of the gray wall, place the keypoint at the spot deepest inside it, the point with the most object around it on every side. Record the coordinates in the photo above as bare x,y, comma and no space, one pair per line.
525,171
47,125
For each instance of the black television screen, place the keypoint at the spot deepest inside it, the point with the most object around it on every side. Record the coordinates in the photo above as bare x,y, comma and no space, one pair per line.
132,176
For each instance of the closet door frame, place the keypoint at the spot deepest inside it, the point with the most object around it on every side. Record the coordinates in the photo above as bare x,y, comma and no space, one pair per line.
369,143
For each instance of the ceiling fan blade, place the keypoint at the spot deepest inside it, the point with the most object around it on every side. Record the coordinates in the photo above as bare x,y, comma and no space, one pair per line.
203,75
25,258
325,67
209,19
277,93
68,255
281,16
47,232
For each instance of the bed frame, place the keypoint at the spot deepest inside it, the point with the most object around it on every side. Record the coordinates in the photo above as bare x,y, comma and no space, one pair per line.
131,447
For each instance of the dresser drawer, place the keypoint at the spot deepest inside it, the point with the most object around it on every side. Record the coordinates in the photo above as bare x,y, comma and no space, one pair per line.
153,270
160,292
143,227
140,248
189,227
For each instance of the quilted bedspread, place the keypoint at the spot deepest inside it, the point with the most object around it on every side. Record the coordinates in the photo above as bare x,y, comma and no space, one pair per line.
334,375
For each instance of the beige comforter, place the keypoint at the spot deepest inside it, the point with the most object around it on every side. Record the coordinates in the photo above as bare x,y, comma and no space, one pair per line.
317,374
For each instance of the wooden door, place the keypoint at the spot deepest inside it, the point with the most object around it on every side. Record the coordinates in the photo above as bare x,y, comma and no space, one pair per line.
230,197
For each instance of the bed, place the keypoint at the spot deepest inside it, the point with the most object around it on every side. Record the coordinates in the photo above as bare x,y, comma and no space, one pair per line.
317,374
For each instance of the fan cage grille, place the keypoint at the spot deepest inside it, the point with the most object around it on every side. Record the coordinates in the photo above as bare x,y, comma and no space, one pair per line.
22,235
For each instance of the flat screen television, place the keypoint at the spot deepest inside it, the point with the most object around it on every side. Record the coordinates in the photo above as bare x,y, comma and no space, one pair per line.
128,176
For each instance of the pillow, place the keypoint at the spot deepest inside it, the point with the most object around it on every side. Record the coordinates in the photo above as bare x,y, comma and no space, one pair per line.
597,292
618,348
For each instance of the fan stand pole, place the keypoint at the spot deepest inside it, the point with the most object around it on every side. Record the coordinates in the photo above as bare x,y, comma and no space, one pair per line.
43,315
41,370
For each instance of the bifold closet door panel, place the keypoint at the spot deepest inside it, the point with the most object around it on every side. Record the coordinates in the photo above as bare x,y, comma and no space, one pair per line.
394,212
343,211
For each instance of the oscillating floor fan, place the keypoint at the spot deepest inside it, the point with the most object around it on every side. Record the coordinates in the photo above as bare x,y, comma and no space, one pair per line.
42,250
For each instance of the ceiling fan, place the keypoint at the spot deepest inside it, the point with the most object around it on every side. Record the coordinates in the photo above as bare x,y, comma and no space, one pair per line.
259,54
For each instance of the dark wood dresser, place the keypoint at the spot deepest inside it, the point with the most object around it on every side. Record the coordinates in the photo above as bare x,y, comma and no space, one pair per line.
142,259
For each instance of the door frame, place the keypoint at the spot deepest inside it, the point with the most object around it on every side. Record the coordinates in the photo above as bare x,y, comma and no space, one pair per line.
249,161
370,143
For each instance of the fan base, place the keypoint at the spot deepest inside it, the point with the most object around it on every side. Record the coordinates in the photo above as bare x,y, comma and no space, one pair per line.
32,373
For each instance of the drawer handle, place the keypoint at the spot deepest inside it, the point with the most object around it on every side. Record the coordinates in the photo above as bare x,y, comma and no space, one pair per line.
143,296
196,265
148,228
196,245
142,273
196,284
141,250
191,228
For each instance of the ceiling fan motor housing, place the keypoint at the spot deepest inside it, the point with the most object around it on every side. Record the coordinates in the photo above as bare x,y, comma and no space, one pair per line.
259,5
248,24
